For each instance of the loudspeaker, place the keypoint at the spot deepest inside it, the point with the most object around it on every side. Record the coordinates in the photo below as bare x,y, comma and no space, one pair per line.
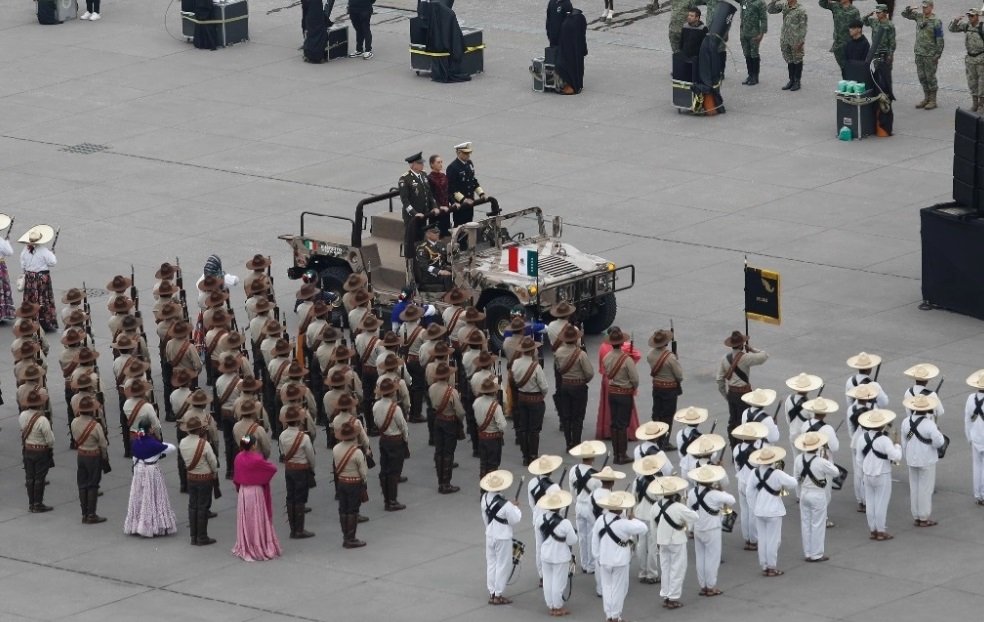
964,171
967,124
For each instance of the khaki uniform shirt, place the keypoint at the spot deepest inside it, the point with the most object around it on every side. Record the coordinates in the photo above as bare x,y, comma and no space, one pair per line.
747,360
397,426
41,433
277,369
356,465
227,383
406,330
304,453
324,354
178,398
479,377
627,376
402,393
213,430
537,382
454,407
189,359
481,405
96,439
670,371
208,463
431,370
242,428
352,379
147,413
581,371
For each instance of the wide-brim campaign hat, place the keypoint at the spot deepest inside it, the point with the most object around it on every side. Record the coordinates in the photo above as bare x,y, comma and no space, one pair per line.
864,392
821,406
83,382
296,370
345,403
411,313
181,330
258,286
119,284
71,297
166,271
455,296
608,474
391,363
355,281
27,349
489,386
229,364
166,289
31,373
121,304
810,441
262,306
136,369
370,322
27,309
169,311
736,339
25,327
485,359
691,415
346,432
706,444
976,379
666,486
216,298
181,376
192,425
76,318
496,481
707,474
442,371
137,388
649,465
473,315
660,338
248,408
923,371
475,338
87,405
555,500
87,356
651,430
767,455
258,262
864,360
123,343
562,309
210,283
921,403
804,382
588,449
307,291
545,464
218,319
199,398
249,384
759,397
343,353
751,431
618,500
36,399
272,327
441,350
517,325
615,336
330,334
38,234
391,340
292,392
570,334
435,331
362,296
130,324
292,414
281,348
387,387
527,345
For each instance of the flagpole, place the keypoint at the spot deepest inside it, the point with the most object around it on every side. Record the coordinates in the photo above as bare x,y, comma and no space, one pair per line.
745,303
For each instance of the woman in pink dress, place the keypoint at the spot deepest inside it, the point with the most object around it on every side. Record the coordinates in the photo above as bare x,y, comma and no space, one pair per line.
256,539
603,429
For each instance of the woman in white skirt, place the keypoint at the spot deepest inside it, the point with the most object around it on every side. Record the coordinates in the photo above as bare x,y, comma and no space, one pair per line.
150,513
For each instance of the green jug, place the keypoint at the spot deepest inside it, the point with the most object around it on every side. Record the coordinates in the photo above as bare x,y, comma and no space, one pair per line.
845,133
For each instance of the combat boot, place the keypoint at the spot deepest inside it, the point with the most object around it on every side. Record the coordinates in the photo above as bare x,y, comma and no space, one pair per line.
797,76
93,518
791,69
203,539
925,100
753,77
39,505
931,101
350,522
298,532
394,504
749,68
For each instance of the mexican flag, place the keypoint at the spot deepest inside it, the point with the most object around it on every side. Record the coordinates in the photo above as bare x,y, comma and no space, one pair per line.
521,261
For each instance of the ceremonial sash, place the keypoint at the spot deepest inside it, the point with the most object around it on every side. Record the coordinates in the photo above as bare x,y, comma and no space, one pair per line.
763,482
30,426
85,434
390,413
199,451
808,472
734,370
663,513
135,412
700,494
492,510
295,446
869,447
658,365
489,416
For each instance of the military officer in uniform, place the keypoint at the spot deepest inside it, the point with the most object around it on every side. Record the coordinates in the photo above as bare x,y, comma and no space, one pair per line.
667,375
298,455
928,48
574,372
202,467
431,265
394,436
623,382
732,376
974,61
37,441
883,44
844,12
463,188
417,198
792,38
754,25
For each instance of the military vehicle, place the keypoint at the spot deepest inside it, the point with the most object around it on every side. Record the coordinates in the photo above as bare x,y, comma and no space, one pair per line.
502,261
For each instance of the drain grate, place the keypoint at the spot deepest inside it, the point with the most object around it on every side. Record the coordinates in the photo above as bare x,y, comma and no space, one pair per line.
95,292
85,148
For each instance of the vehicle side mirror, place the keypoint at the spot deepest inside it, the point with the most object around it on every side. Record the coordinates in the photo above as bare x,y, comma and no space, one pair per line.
558,226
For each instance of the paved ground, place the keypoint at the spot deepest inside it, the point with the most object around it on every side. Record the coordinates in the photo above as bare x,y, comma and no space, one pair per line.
220,151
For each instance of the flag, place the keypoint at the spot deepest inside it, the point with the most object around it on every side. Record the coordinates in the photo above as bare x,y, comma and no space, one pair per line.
512,258
762,296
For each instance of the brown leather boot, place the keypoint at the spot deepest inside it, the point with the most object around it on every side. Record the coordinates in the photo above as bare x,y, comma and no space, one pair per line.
393,482
298,532
351,542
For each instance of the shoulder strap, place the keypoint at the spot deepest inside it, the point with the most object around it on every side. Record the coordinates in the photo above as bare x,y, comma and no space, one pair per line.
914,431
607,530
733,370
618,364
528,375
252,428
763,481
795,413
345,459
808,472
444,401
199,450
700,494
658,365
86,433
229,390
30,426
215,340
489,416
368,351
744,452
390,413
492,510
412,337
453,322
135,412
581,480
689,436
815,426
181,353
295,446
663,507
280,371
869,447
978,409
549,526
543,484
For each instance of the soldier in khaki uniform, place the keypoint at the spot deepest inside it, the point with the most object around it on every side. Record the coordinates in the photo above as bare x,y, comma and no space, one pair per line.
667,376
203,469
37,441
351,473
227,391
394,440
448,425
92,445
298,455
491,427
411,334
195,407
574,372
974,61
390,367
623,382
248,412
529,383
453,314
733,373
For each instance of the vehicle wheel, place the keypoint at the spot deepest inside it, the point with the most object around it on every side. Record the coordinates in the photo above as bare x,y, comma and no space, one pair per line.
497,319
332,279
601,319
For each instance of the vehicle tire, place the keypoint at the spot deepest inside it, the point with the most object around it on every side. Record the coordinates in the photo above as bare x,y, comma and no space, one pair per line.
603,317
497,319
332,279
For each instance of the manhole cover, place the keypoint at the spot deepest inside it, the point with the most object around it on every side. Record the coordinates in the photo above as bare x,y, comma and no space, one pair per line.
85,148
95,292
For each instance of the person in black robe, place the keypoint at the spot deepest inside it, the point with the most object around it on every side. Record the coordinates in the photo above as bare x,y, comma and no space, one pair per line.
557,12
206,37
856,50
444,35
573,49
316,27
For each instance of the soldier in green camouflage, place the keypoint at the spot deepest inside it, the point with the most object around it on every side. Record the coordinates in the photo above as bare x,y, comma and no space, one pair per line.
844,12
928,49
883,44
792,38
754,25
678,16
974,40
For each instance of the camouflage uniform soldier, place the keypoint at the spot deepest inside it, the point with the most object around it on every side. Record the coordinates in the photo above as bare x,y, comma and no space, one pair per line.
678,17
754,25
792,38
928,49
844,12
974,40
883,44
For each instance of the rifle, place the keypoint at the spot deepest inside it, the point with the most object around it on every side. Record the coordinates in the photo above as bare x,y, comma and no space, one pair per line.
877,371
822,387
270,294
673,341
134,294
87,326
182,296
562,475
10,228
714,425
55,241
940,384
608,457
519,489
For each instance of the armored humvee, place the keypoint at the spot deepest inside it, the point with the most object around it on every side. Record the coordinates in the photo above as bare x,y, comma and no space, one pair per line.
502,260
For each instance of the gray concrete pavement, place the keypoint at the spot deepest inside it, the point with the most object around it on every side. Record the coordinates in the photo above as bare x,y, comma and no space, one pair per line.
220,152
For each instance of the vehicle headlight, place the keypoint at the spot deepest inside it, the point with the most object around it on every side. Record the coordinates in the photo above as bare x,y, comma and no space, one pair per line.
611,267
532,290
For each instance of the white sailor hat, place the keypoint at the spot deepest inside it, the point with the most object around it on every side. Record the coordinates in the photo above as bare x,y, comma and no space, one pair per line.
466,147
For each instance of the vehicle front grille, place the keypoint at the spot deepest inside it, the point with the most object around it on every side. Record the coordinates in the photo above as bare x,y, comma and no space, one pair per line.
556,266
